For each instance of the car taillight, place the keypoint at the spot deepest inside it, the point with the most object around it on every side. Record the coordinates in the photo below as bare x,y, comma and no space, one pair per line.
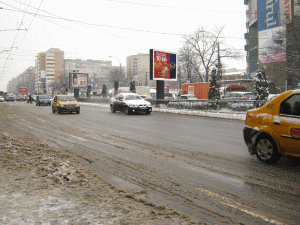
245,98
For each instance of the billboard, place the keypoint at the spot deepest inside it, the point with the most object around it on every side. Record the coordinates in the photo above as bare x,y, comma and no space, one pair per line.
273,13
272,45
23,90
78,80
163,65
273,16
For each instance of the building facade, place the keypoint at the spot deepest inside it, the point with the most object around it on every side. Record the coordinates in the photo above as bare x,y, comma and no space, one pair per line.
24,80
98,70
272,40
138,69
49,67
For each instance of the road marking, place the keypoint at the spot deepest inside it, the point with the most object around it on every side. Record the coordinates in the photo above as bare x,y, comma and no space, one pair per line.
79,138
41,120
238,206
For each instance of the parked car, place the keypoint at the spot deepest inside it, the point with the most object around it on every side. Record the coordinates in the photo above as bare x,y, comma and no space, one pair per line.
130,103
271,96
42,100
273,130
20,97
237,96
187,97
9,97
168,95
65,103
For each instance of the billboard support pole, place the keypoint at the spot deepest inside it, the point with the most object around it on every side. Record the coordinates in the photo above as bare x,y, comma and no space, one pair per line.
160,89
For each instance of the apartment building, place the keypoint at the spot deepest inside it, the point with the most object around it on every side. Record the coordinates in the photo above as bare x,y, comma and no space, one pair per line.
138,68
98,70
25,79
49,67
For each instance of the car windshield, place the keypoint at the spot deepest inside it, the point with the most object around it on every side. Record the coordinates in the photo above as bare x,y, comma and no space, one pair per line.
66,98
132,97
44,97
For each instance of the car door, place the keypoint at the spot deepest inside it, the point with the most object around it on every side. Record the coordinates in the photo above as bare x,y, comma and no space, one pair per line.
287,125
118,103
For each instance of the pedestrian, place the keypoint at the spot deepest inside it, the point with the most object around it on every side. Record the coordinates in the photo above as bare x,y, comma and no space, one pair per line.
29,99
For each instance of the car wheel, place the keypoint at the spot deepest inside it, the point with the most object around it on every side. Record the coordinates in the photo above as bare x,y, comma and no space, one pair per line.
78,111
266,150
53,110
127,111
59,110
112,108
148,112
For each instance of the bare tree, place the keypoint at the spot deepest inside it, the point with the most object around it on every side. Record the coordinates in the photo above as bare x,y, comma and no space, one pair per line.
116,74
188,64
203,47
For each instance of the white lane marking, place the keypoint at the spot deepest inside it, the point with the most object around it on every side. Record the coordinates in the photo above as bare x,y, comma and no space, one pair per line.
41,120
79,138
238,206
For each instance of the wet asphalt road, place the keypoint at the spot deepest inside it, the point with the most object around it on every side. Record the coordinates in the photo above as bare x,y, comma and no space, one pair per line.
194,164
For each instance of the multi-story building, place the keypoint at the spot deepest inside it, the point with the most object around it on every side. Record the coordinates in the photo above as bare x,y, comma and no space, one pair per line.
138,68
271,40
25,79
49,70
98,70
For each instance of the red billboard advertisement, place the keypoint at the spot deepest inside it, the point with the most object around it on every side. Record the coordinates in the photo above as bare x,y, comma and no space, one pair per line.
163,65
23,90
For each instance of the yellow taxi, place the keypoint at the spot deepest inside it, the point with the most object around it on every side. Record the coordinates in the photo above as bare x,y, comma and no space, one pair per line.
273,130
65,103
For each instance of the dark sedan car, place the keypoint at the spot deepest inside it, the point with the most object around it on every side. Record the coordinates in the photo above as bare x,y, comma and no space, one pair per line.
42,100
130,103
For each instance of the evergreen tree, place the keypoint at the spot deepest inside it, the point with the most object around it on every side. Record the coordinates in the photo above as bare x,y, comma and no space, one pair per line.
214,90
132,86
261,85
104,93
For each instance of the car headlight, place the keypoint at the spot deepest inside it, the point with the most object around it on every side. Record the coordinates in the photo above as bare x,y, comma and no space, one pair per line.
77,105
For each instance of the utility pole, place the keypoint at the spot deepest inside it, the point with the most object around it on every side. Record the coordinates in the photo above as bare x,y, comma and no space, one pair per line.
219,65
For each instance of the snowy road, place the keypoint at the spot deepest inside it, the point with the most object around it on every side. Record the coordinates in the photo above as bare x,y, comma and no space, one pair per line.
198,165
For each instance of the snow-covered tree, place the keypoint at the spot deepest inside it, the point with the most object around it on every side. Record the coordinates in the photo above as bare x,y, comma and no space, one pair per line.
214,89
261,84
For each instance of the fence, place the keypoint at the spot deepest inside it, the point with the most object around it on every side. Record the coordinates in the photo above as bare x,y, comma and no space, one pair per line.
201,104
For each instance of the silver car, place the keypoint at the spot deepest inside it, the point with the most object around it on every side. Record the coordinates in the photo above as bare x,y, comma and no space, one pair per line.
237,96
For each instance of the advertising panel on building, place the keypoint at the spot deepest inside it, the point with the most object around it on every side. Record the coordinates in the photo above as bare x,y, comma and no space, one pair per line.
273,15
78,80
163,65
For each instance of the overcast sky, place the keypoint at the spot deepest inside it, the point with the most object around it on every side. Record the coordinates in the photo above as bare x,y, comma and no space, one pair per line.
97,29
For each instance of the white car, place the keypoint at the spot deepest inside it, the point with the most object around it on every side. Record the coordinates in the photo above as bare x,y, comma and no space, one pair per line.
1,99
130,103
187,97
